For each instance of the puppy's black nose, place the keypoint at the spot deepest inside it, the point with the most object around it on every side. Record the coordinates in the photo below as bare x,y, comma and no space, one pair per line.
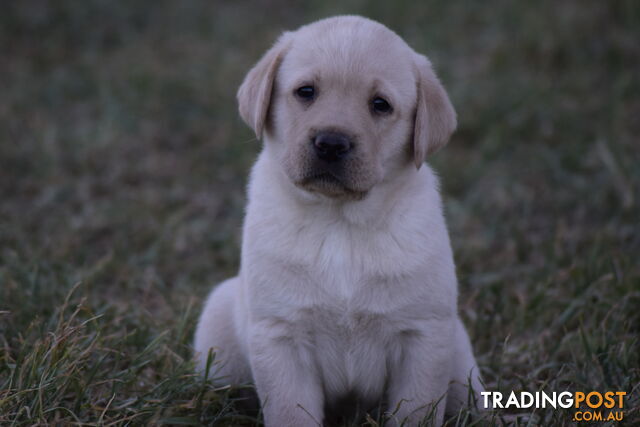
331,146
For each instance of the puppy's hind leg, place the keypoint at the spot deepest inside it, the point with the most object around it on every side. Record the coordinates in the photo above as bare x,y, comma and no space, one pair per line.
464,373
217,331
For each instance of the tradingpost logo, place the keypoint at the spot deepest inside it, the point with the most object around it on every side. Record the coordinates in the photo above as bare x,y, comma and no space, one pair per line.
590,406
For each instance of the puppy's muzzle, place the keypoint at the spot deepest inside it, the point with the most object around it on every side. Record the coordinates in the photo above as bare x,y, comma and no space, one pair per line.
331,146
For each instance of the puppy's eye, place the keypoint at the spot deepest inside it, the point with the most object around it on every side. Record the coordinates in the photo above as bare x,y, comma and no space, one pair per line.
306,92
381,106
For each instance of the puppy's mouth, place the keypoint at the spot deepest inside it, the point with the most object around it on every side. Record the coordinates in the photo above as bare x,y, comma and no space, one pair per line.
323,178
330,185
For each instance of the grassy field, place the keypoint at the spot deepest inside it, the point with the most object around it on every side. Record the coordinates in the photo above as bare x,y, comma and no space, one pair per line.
122,170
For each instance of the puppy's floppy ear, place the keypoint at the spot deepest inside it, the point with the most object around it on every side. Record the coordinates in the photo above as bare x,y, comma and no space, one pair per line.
435,117
254,94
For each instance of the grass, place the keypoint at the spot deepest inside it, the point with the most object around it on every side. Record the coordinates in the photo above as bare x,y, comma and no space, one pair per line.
122,172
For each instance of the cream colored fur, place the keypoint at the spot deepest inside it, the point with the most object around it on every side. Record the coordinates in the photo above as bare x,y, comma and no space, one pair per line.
347,287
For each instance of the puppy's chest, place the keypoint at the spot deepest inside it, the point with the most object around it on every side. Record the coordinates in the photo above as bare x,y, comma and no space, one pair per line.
353,349
345,294
342,260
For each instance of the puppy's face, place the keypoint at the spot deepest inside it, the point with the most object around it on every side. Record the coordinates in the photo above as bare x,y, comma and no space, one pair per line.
342,110
343,103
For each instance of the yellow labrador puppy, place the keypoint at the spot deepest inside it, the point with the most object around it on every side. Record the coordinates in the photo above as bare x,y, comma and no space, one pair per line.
347,286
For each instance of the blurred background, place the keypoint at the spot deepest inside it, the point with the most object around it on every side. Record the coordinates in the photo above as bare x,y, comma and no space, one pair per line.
123,164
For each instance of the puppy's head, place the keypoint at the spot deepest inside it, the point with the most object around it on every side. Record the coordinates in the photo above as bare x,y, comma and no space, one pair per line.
344,103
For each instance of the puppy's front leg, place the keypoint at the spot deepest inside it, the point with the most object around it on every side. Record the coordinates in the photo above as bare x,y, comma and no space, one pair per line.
418,382
286,377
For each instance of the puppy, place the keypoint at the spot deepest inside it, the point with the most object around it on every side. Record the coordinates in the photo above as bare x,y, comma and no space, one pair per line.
347,285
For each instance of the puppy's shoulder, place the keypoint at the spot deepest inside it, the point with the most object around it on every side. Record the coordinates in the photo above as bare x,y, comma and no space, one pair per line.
421,196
